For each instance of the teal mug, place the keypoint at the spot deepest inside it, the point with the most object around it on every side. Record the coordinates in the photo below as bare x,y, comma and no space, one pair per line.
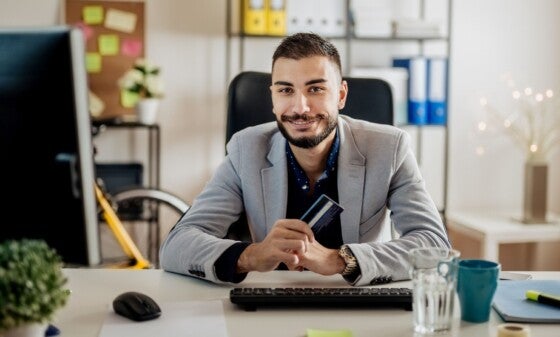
477,281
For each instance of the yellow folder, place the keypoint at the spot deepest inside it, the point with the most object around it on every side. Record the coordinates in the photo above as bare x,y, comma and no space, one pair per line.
276,17
254,17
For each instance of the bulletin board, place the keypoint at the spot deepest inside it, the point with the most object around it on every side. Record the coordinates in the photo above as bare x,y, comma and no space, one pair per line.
114,38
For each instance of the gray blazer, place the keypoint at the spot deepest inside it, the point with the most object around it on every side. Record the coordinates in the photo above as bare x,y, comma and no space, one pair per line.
380,188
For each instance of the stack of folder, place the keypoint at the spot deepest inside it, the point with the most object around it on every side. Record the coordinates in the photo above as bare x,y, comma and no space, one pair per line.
427,89
416,28
264,17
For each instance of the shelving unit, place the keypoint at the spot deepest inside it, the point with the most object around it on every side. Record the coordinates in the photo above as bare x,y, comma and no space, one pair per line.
352,49
151,133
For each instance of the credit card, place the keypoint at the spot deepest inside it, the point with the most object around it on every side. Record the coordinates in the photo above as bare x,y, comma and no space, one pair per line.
321,213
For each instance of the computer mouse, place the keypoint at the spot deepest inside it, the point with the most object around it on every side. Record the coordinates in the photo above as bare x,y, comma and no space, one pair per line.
136,306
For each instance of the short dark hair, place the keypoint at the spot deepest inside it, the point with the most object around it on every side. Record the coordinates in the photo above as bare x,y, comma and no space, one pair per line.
302,45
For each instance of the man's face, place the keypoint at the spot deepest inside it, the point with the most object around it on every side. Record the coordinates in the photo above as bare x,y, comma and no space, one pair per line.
306,97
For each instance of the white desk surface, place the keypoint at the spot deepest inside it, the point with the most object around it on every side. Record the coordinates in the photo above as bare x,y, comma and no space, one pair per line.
94,289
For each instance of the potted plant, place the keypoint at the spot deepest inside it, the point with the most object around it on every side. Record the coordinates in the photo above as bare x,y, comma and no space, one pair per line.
32,287
143,85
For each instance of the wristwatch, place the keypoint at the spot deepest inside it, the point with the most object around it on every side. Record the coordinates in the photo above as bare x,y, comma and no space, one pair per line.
351,263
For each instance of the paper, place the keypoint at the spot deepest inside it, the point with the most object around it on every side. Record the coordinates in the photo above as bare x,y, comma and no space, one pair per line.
96,105
120,20
108,44
93,62
92,15
178,319
328,333
129,98
512,306
131,47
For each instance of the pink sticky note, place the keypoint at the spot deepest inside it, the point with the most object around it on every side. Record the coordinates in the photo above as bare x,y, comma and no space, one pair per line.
86,30
131,47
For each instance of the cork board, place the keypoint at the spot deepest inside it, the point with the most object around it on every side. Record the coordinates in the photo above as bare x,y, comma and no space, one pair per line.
114,38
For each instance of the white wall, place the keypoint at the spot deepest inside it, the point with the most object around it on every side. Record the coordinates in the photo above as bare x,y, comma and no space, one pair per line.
488,38
491,38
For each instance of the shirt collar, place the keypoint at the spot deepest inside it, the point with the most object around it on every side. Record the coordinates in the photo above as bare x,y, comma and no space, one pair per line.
301,177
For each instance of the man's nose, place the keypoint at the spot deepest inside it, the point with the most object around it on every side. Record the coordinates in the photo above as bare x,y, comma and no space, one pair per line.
301,103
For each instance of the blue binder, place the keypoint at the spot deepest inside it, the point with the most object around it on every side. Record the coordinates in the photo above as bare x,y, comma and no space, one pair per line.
437,91
417,68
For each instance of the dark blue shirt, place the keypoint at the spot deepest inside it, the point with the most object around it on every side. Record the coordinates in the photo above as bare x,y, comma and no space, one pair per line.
299,200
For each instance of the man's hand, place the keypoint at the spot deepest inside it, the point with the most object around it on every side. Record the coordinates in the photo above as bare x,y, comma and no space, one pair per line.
288,240
319,259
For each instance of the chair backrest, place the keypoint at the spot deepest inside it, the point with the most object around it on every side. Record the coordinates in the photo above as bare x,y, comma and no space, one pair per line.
249,102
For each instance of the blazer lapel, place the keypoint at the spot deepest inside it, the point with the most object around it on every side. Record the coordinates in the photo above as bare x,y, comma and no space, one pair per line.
351,177
275,182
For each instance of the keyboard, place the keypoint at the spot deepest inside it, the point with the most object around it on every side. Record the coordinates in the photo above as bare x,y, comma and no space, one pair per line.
251,298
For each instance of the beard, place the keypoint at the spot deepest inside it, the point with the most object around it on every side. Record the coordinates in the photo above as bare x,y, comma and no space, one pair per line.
307,142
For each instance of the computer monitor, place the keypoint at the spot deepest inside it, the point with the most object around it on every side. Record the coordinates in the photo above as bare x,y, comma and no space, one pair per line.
46,148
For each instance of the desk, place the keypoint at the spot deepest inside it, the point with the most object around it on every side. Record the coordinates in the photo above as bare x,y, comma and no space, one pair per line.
493,229
94,289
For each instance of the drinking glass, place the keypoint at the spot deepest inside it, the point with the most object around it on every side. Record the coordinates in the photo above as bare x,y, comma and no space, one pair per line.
434,276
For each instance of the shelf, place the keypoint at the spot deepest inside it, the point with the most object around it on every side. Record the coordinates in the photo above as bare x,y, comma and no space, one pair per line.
358,45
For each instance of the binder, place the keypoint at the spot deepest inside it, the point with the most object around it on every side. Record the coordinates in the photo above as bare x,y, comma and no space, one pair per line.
330,17
437,91
254,17
510,302
301,16
417,88
276,17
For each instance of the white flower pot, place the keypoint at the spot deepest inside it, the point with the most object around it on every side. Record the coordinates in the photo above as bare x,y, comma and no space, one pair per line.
28,330
146,110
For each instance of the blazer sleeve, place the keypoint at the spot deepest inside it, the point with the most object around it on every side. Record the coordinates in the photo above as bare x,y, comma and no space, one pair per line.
414,217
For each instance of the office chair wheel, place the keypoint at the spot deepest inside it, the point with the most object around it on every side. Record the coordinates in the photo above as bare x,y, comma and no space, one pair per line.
152,206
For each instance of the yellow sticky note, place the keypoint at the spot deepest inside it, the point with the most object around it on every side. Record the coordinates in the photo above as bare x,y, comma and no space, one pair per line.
108,44
92,15
120,20
328,333
129,98
93,62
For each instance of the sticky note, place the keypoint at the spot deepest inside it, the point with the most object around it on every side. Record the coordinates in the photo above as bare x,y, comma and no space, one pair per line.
131,47
92,15
128,98
328,333
108,44
93,62
120,20
86,30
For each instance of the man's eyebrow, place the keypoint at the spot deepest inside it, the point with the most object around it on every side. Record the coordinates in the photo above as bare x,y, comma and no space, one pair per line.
319,80
283,83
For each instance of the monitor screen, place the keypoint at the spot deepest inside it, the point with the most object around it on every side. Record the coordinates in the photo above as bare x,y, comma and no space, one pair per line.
45,142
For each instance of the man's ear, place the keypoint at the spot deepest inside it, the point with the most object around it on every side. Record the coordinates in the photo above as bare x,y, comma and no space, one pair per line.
342,94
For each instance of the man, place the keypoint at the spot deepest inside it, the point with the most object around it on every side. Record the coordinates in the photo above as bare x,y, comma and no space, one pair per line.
273,172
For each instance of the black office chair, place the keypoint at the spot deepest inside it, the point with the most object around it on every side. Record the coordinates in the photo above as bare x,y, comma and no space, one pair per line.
249,103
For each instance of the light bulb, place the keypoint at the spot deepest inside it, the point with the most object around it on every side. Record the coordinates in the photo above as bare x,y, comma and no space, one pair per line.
534,148
481,126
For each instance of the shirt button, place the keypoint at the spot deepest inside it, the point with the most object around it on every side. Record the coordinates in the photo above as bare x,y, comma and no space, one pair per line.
304,187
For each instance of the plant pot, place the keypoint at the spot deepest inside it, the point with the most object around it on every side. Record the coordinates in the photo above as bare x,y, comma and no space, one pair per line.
146,110
28,330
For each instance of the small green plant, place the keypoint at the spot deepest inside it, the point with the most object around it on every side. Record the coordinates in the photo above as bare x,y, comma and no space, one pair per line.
31,283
